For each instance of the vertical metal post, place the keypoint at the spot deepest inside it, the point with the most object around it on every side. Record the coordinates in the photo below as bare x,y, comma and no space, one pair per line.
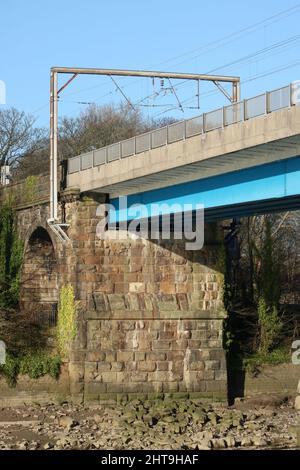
236,92
51,140
53,146
291,89
55,120
267,106
245,110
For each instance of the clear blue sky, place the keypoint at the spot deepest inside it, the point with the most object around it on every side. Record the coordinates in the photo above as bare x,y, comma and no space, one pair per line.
170,35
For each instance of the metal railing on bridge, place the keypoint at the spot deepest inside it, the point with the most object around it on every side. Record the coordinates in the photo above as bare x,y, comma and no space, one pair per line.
242,111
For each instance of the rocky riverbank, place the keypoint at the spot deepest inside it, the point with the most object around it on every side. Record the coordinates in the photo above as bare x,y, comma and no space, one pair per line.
140,424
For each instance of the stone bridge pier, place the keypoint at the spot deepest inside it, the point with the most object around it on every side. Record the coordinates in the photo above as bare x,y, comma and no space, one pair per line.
151,313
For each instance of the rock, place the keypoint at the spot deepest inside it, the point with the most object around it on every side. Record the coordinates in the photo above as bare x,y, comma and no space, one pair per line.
47,446
67,422
98,418
273,400
218,443
246,442
293,430
204,445
230,441
33,445
297,402
298,388
150,425
22,445
212,416
198,436
252,425
199,417
259,442
224,427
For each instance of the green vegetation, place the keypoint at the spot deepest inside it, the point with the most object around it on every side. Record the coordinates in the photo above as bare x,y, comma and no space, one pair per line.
34,365
269,285
27,347
269,323
11,254
26,342
31,183
66,324
269,326
255,332
255,361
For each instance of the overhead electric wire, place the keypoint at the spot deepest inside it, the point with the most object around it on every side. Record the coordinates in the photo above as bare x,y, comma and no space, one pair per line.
257,53
256,77
247,30
122,93
248,59
276,17
244,31
212,92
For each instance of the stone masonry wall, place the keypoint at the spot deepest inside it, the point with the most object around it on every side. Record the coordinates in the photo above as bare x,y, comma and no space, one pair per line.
281,378
152,314
43,390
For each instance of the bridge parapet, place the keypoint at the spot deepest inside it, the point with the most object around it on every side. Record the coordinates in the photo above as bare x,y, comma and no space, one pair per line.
31,191
253,107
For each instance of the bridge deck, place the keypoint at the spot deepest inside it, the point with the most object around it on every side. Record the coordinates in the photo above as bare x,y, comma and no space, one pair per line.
244,141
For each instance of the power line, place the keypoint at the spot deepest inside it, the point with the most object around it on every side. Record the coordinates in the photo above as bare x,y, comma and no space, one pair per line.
246,59
122,93
257,53
271,19
240,33
256,77
221,41
212,92
249,57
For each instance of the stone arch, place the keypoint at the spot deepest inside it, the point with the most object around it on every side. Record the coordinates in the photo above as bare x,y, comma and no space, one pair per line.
39,278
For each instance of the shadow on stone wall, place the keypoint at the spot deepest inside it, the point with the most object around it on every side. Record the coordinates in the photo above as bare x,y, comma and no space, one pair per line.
39,279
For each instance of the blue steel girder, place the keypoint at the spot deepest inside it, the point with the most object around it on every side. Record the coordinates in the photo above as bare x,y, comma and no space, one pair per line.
260,189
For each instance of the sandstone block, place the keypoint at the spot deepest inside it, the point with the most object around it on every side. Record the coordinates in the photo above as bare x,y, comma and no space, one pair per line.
125,356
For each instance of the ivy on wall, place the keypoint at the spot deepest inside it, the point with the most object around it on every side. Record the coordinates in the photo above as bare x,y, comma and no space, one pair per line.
35,365
66,320
24,353
11,254
31,185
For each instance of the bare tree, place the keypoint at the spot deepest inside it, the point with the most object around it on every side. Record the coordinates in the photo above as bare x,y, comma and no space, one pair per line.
93,128
35,161
18,136
99,126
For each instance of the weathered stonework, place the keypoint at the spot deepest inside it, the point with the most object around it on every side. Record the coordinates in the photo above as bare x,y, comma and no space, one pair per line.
43,390
151,313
